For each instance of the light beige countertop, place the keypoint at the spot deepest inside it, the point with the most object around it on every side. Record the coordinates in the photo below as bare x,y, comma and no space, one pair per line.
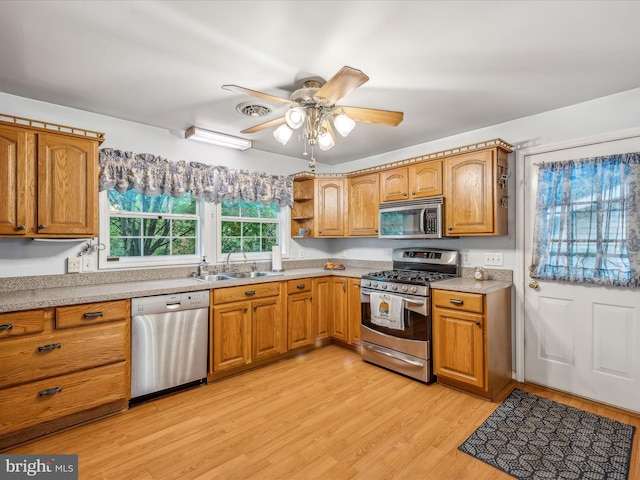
470,285
72,295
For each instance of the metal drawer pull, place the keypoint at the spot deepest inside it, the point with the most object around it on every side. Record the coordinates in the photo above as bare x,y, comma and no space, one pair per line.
456,302
49,391
48,348
6,326
300,286
250,293
92,314
382,352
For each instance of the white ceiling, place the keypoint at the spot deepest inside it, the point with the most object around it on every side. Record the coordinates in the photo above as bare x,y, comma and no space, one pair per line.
450,66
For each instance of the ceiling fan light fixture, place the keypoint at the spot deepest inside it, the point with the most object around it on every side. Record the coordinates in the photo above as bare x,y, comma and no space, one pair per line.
216,138
282,134
325,141
343,124
295,117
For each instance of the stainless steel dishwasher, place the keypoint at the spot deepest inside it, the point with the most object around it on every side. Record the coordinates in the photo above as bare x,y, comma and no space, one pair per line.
169,340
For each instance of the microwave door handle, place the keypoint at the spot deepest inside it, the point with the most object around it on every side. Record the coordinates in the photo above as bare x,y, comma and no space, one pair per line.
423,214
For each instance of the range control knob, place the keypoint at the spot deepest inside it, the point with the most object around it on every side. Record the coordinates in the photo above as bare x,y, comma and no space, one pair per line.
404,288
374,284
394,287
384,286
414,289
367,283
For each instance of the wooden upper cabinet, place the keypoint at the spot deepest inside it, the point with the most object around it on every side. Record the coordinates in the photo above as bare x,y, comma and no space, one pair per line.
67,186
14,172
330,207
394,184
425,179
364,195
475,202
48,181
419,180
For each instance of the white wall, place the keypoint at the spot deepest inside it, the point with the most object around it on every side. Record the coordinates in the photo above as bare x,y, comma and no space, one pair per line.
607,114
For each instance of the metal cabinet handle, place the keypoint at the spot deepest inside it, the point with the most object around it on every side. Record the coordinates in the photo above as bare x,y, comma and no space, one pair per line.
300,286
92,314
404,194
456,302
246,309
478,323
6,326
255,307
49,391
48,348
42,225
449,228
21,227
250,293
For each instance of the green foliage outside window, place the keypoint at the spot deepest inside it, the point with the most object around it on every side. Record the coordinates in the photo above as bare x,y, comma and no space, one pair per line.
248,227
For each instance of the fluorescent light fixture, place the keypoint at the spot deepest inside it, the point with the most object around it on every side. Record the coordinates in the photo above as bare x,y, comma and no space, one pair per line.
215,138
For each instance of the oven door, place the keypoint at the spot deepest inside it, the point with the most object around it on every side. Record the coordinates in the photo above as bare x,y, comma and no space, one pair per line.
415,315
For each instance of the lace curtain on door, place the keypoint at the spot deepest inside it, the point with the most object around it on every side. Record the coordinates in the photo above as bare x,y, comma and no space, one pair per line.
152,175
587,223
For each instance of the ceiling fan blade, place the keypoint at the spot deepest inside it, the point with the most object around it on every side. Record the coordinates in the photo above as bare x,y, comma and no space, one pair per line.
342,83
262,126
371,115
255,93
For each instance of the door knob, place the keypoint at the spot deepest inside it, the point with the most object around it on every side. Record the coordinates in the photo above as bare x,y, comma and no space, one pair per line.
533,284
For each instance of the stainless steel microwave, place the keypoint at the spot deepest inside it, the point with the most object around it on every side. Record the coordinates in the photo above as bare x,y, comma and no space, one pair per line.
411,219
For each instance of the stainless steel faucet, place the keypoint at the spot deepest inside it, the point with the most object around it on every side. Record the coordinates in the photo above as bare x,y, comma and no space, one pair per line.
229,255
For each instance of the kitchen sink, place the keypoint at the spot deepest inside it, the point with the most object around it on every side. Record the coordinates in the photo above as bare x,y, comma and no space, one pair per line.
213,278
251,274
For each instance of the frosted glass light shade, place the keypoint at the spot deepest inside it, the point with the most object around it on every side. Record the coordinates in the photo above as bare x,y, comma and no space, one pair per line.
282,134
295,117
343,124
325,141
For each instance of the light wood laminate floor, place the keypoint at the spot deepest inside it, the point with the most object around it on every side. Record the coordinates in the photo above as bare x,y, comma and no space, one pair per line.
322,415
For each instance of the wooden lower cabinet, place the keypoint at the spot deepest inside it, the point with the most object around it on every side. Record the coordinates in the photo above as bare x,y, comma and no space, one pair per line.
57,372
472,340
337,308
322,307
339,326
354,311
245,331
299,313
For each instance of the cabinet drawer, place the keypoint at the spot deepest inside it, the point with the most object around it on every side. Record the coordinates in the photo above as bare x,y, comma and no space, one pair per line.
297,286
469,302
41,356
92,313
36,402
245,292
21,323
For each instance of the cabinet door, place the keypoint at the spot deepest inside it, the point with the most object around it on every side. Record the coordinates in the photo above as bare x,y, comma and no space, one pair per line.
354,310
67,186
425,179
231,335
338,323
299,318
469,191
394,185
330,207
322,307
364,195
458,346
14,174
267,328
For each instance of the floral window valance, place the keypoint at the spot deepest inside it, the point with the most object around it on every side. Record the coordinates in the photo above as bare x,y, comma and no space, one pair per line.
587,222
152,175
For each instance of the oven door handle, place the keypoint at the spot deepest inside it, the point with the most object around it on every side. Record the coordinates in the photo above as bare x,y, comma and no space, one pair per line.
407,300
382,352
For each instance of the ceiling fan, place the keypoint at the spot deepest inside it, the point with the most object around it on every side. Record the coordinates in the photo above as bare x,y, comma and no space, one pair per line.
313,108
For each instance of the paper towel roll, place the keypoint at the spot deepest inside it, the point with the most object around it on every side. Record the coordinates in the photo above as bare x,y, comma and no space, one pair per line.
276,260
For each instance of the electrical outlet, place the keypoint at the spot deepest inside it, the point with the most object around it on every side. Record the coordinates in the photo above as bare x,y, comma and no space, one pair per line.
87,264
465,257
301,253
74,265
493,259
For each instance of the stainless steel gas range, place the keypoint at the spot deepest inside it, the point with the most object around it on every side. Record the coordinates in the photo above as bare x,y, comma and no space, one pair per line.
396,310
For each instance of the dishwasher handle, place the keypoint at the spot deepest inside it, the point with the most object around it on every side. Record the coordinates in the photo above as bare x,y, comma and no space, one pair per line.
174,305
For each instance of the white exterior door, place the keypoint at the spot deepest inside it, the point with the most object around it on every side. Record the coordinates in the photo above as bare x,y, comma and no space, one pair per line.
580,339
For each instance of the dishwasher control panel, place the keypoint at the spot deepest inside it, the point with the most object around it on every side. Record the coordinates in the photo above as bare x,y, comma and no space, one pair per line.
171,302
